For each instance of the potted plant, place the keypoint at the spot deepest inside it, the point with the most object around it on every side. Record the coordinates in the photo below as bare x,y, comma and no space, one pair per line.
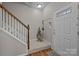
39,35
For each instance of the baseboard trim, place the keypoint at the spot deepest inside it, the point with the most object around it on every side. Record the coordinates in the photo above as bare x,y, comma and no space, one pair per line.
24,54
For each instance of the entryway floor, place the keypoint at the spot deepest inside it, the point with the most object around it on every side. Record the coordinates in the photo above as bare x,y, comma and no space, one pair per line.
36,46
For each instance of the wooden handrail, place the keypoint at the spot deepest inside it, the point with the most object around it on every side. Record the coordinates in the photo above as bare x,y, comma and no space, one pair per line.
13,16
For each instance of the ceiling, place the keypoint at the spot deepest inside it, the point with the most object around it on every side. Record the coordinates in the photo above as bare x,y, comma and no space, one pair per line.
34,4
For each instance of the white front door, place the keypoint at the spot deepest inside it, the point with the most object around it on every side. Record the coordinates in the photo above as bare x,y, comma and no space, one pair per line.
62,41
65,42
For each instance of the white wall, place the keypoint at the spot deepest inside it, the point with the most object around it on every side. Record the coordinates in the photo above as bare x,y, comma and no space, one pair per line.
27,15
48,30
10,46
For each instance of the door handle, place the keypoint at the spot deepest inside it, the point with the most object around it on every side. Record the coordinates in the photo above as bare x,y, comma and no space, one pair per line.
78,33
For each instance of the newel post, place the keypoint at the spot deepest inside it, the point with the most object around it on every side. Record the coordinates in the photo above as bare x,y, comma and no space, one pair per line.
28,37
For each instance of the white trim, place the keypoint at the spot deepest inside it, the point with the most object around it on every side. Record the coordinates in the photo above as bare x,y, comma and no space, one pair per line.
13,36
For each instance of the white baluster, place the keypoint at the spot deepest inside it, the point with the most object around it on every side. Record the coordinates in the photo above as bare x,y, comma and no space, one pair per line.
0,17
3,19
12,25
6,21
21,32
24,35
18,29
9,23
15,27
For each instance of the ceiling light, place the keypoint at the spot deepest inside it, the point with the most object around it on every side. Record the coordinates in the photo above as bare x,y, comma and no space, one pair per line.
39,6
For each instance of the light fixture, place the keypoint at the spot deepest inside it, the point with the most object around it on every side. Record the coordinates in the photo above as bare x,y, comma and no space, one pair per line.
39,6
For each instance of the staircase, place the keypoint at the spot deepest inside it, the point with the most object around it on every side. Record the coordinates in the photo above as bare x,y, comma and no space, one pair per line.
14,35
